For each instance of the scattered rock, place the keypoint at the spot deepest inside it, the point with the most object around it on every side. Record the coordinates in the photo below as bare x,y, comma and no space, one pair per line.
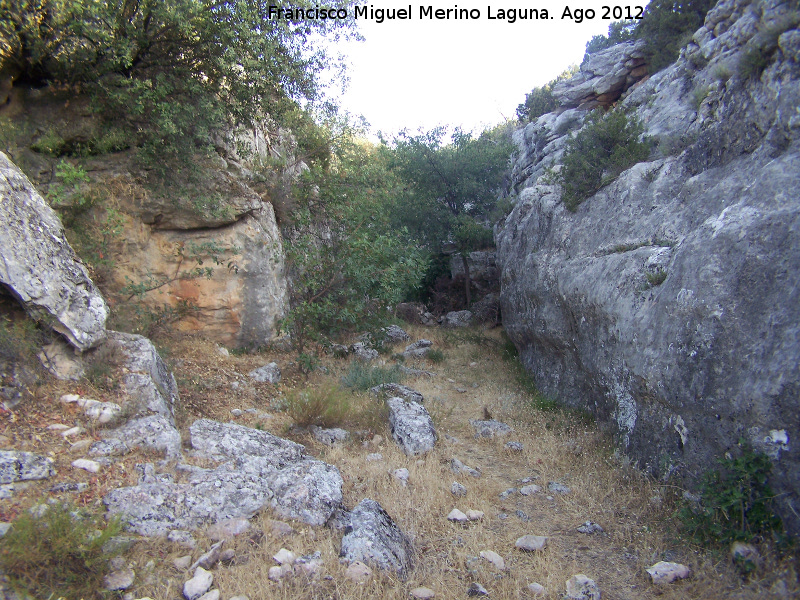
531,543
227,529
269,373
580,587
375,539
475,515
358,572
374,457
4,527
422,593
667,572
395,389
183,563
285,557
589,528
529,490
71,431
401,475
744,553
330,437
87,465
208,559
309,565
281,529
505,494
277,573
395,334
476,589
453,319
494,558
198,585
154,432
80,446
513,446
536,589
458,490
411,426
24,466
456,466
227,556
489,429
418,349
557,488
119,580
457,516
363,353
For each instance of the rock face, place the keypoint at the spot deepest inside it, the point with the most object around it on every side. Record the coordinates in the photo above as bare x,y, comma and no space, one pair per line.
703,352
40,268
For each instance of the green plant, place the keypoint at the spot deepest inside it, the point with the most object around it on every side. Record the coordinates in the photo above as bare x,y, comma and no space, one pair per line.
363,377
721,73
606,146
324,406
436,356
699,94
541,100
58,554
736,502
20,341
307,362
656,278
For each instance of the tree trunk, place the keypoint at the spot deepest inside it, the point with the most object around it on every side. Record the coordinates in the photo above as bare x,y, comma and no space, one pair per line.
467,280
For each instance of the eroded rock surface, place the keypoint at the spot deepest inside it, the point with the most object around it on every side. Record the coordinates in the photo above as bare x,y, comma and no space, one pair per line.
411,426
373,538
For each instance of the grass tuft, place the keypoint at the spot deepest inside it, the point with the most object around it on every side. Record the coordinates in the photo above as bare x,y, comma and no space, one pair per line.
363,377
327,405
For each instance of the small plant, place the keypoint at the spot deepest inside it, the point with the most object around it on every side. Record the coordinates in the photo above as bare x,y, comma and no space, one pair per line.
699,94
736,502
20,341
362,377
656,278
324,406
58,554
722,73
436,356
307,362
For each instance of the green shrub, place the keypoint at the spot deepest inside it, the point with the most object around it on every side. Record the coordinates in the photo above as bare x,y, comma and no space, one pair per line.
20,341
736,502
699,94
606,146
363,377
436,356
656,278
59,554
541,100
324,406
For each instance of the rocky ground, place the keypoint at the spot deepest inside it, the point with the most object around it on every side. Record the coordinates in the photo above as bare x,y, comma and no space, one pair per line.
464,507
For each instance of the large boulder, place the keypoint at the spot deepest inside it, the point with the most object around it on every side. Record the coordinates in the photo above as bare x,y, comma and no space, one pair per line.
667,304
40,268
411,426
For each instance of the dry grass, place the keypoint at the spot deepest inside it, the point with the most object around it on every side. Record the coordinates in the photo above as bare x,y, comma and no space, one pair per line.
634,511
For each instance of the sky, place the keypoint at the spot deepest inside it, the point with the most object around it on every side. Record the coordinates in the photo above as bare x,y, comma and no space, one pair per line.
421,73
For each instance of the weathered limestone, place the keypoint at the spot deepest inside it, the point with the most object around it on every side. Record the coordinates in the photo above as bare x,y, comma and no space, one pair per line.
373,538
24,466
40,268
411,426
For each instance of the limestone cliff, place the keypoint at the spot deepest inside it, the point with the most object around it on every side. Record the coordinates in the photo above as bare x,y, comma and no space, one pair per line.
668,304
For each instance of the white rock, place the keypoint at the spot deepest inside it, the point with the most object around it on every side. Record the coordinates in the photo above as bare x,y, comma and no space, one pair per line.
285,557
275,573
590,527
494,558
458,516
475,515
57,427
458,490
531,543
530,489
580,587
87,465
422,593
401,475
374,457
358,572
182,563
119,580
70,398
70,432
667,572
212,595
80,446
198,585
536,589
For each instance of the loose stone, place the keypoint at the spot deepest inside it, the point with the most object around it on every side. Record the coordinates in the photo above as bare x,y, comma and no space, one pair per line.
198,585
358,572
507,493
557,488
476,589
580,587
87,465
210,558
589,528
422,593
182,563
667,572
119,580
212,595
529,489
494,558
536,589
475,515
401,475
457,516
285,557
531,543
458,490
513,446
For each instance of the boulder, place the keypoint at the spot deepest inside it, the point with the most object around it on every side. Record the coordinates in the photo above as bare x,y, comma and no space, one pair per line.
411,426
394,334
459,318
24,466
418,349
396,389
665,304
39,267
490,428
269,373
373,538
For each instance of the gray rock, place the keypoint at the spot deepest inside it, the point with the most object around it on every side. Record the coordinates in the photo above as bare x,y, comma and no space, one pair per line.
454,319
418,349
339,350
456,466
373,538
119,580
457,516
308,491
24,466
529,490
210,595
489,429
513,446
476,589
505,494
269,373
184,538
482,266
411,426
589,528
580,587
155,432
363,352
198,585
395,389
208,559
667,572
557,488
4,527
458,490
330,437
395,334
531,543
682,369
38,265
401,475
222,441
227,529
62,360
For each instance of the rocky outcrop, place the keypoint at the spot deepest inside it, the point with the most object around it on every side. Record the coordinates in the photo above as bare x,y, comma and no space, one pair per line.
411,426
482,266
667,303
40,268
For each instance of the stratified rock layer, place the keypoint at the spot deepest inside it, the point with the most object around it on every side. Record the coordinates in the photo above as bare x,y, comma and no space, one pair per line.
40,268
668,304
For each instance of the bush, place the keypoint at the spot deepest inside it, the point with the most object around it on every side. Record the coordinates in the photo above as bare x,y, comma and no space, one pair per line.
541,99
736,502
436,356
362,377
59,554
324,406
598,153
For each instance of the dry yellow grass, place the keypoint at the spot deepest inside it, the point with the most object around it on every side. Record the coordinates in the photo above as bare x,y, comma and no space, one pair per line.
634,511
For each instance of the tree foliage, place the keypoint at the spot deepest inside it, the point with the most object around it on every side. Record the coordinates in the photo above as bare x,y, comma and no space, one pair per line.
541,100
172,72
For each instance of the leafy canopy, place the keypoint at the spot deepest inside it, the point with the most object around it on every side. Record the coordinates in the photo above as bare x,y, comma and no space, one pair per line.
541,100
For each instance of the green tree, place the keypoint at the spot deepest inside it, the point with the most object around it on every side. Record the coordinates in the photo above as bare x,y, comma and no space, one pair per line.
453,186
171,72
541,100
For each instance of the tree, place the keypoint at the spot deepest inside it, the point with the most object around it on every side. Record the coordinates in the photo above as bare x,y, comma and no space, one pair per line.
453,185
541,100
170,72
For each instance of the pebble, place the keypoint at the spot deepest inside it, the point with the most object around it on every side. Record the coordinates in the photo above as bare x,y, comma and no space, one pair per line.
80,445
513,446
507,493
182,563
87,465
458,490
401,475
310,564
457,516
285,557
589,528
422,593
531,543
377,440
456,466
494,558
536,589
475,515
530,489
476,589
212,595
237,412
198,585
557,488
667,572
358,572
57,427
580,587
210,558
375,457
70,432
119,580
227,555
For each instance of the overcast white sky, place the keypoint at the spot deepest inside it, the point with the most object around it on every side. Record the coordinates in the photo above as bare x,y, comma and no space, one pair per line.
472,73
